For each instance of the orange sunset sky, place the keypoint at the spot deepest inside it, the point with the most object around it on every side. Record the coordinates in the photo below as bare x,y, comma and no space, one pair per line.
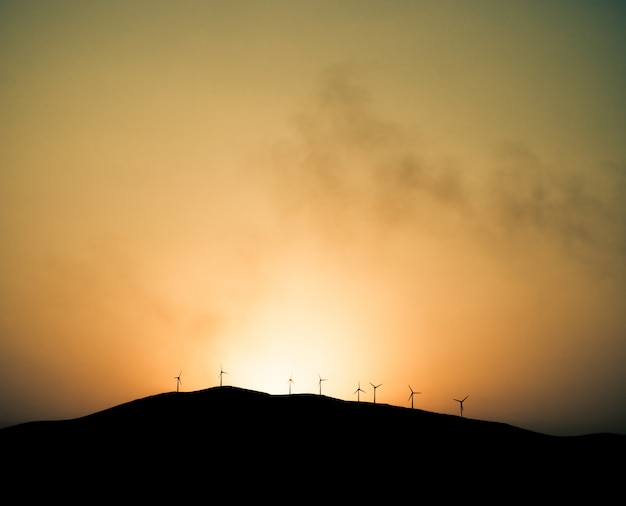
423,193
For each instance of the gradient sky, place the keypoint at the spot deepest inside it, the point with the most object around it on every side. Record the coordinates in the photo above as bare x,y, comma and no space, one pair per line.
424,193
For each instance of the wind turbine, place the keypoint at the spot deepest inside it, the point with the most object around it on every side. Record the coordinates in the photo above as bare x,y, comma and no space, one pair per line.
290,381
177,378
375,387
320,382
222,372
358,392
461,404
412,394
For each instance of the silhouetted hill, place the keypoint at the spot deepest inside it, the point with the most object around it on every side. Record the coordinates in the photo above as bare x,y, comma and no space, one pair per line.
228,442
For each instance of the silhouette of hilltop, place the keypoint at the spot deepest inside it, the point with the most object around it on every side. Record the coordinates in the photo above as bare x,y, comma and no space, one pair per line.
229,442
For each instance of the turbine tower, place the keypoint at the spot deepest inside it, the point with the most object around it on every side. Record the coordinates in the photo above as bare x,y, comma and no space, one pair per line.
222,372
412,394
177,378
290,381
375,387
320,382
461,404
358,392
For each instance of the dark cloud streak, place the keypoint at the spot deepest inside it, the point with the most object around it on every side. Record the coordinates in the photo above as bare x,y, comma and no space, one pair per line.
354,171
576,208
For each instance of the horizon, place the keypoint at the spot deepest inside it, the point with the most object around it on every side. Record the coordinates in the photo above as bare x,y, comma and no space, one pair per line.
313,394
407,193
289,393
283,394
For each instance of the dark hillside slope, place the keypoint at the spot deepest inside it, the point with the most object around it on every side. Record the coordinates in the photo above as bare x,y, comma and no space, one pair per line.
208,440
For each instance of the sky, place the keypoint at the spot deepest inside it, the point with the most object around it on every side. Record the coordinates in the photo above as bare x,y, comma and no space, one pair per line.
420,195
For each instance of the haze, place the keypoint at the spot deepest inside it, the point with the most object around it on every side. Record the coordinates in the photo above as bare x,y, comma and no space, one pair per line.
403,193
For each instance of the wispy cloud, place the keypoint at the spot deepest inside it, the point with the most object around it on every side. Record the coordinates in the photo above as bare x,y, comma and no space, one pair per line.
578,209
352,170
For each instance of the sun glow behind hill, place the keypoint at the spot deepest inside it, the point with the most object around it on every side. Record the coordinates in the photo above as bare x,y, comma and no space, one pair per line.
342,316
312,319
